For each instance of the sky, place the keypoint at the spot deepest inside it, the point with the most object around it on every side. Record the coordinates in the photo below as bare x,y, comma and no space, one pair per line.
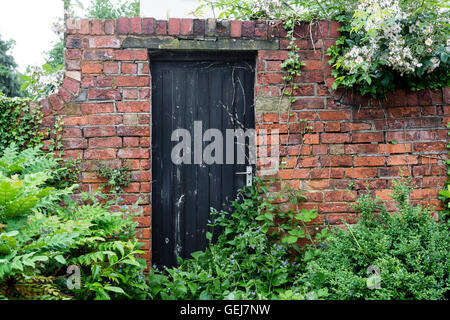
29,23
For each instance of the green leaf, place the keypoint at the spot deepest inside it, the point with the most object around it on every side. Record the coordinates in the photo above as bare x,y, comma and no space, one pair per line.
60,259
115,289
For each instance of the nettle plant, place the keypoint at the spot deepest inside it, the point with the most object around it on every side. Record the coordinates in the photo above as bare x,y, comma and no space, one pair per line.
387,45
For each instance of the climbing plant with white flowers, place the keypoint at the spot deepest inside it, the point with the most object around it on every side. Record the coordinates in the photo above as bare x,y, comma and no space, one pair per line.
385,44
393,44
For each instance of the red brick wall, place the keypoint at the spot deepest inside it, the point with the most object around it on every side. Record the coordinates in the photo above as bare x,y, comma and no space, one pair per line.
105,103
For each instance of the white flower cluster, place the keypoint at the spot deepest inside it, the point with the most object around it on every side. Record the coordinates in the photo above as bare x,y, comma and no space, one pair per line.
266,6
43,83
384,22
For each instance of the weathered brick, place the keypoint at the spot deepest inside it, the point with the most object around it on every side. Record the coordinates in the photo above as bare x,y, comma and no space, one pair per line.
98,54
100,154
199,27
90,108
141,176
161,27
261,29
273,55
335,137
102,131
104,42
133,131
148,25
133,106
131,142
359,137
112,142
187,27
174,26
123,25
339,161
56,102
104,94
132,81
334,115
98,27
369,161
129,68
133,153
236,29
131,93
91,67
110,26
130,55
135,25
357,173
110,67
398,160
248,29
99,120
429,146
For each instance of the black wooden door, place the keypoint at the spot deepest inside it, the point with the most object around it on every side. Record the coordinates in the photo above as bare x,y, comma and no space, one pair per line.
216,89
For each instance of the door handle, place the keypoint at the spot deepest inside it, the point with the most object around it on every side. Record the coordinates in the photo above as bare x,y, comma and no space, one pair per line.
249,175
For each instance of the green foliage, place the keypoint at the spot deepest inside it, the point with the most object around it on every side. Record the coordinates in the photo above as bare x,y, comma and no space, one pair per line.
305,10
40,238
9,82
40,82
379,52
19,122
408,248
287,224
105,9
64,173
117,178
384,45
246,261
56,136
55,56
292,65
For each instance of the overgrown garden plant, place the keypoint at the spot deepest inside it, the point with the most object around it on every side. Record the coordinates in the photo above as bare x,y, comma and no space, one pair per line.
41,237
401,255
384,44
387,45
252,257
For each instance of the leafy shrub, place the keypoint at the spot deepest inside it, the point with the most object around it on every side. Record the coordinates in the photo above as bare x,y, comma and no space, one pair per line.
384,44
64,173
40,82
281,9
40,237
387,45
246,261
19,123
9,82
408,247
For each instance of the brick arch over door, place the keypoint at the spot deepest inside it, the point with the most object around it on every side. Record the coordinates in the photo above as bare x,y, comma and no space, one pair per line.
105,104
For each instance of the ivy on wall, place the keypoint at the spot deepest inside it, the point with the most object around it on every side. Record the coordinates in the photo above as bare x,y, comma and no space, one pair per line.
19,122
